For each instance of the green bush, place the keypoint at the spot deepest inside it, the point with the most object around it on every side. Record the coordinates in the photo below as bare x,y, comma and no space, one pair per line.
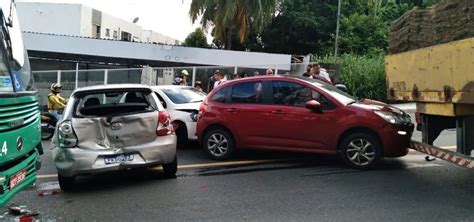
364,76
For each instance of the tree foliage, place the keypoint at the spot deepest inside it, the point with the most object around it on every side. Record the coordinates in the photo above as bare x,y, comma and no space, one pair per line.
229,17
196,39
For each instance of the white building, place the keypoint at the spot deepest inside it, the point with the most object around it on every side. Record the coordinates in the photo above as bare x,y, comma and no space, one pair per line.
80,20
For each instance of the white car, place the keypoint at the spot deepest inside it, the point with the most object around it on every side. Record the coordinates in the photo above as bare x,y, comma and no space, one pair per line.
182,103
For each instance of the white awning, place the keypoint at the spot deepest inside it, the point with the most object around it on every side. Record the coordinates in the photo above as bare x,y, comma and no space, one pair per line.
154,52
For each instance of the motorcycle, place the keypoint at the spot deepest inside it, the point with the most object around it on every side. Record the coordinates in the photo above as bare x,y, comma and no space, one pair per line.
48,125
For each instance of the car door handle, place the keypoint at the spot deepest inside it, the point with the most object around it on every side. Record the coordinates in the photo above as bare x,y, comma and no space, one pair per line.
231,110
278,112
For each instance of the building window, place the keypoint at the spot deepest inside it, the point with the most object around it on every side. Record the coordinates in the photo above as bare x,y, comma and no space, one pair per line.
95,31
115,34
107,32
126,36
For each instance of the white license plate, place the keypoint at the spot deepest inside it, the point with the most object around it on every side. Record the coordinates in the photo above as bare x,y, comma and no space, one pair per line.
17,178
118,158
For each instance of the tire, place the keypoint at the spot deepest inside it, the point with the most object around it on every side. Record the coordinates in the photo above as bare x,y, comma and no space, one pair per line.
45,134
361,151
66,183
219,144
182,134
170,169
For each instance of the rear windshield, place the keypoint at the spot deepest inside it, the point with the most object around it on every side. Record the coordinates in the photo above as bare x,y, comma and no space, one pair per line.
184,95
113,103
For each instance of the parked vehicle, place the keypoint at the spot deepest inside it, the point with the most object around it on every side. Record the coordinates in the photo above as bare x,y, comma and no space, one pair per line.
113,127
300,114
439,78
182,103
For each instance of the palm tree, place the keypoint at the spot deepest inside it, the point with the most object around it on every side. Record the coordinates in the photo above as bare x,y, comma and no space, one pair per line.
229,16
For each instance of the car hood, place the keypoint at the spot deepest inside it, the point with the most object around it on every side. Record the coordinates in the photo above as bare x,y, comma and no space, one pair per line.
369,104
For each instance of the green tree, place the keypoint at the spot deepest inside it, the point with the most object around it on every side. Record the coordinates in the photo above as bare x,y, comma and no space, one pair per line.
228,17
299,27
196,39
362,34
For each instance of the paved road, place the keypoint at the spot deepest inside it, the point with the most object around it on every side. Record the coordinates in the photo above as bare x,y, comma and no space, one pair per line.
264,186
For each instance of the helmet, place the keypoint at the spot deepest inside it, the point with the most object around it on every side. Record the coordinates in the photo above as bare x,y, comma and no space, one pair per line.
55,86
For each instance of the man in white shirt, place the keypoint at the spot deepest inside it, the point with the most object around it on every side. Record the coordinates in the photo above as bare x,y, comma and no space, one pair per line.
219,78
316,71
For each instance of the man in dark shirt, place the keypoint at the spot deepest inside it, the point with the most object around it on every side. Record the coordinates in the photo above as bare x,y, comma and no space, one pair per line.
308,69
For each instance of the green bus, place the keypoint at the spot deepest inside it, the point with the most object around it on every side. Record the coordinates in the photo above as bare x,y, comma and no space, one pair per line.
20,139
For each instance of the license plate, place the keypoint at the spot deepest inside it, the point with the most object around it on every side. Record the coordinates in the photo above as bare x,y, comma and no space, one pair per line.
118,158
17,178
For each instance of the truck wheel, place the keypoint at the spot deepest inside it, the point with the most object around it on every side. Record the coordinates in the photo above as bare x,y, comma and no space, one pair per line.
66,183
170,169
218,144
361,150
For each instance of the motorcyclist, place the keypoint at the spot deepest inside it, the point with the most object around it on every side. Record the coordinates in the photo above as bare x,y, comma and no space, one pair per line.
55,101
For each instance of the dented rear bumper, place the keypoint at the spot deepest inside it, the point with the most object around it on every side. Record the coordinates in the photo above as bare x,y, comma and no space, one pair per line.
80,161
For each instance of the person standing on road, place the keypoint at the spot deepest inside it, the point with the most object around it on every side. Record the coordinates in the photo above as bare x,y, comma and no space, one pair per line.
269,72
219,76
183,80
211,81
308,71
317,73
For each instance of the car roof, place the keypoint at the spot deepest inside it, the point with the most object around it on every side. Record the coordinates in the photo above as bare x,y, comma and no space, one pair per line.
170,87
110,86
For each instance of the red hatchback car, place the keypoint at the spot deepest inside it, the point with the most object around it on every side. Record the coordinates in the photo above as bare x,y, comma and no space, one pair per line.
300,114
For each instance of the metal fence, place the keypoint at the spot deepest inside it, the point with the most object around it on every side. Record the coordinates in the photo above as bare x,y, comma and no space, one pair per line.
72,79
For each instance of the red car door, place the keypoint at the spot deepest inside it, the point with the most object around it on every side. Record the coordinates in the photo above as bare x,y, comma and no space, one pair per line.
245,113
297,127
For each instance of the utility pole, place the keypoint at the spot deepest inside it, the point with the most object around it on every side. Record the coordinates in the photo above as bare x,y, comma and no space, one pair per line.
337,29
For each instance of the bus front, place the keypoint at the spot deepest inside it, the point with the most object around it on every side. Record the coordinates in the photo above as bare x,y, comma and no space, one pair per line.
20,141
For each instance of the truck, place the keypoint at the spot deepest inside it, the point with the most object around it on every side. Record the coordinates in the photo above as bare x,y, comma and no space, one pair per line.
432,64
20,140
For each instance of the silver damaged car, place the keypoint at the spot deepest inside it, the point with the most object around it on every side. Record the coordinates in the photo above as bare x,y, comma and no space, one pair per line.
113,127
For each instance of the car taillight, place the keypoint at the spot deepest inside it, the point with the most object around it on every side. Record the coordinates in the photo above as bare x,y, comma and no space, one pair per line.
165,127
66,136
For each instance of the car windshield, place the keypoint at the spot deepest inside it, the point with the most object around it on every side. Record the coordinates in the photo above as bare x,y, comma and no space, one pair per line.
333,91
184,95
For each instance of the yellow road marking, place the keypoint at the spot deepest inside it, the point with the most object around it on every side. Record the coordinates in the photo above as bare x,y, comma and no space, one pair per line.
196,166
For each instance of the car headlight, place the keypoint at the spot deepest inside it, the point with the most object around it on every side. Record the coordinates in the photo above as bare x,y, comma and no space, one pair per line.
394,118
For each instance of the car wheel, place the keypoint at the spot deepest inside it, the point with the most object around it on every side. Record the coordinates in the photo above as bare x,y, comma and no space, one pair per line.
170,169
361,150
182,134
219,144
66,183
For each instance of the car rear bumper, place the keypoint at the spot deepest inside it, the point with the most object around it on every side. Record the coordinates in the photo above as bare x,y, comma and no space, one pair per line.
80,161
396,140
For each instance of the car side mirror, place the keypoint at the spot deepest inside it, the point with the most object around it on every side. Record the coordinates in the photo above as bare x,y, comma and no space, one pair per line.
314,105
341,87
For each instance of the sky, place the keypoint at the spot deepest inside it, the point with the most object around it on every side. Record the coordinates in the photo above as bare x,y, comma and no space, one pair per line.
168,17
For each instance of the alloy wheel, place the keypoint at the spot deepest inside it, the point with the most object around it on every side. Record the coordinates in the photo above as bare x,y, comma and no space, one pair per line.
360,152
217,144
